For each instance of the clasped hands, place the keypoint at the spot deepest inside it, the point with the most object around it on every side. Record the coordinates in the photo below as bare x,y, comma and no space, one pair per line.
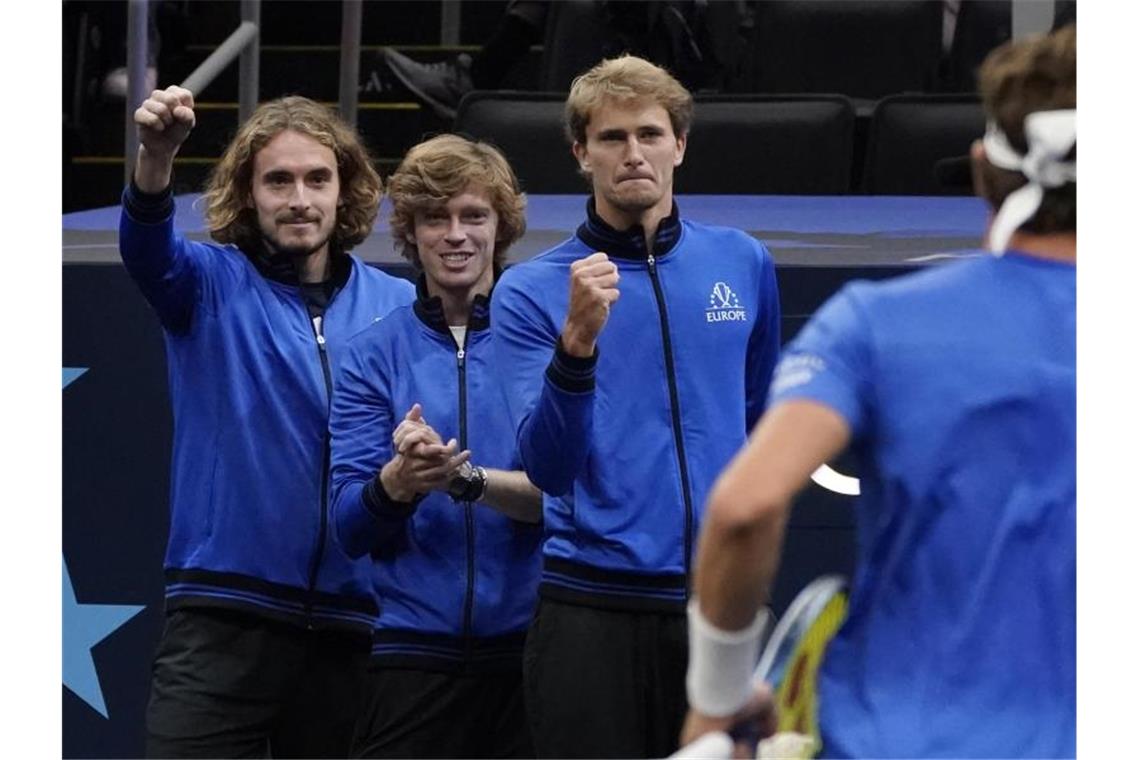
421,461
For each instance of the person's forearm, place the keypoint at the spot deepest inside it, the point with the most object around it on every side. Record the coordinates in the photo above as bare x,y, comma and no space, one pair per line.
554,440
743,528
737,562
511,493
153,172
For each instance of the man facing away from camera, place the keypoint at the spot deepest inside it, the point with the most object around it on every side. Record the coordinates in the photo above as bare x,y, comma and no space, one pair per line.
955,388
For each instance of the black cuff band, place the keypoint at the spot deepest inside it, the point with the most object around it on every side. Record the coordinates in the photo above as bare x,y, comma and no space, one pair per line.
148,208
574,374
383,506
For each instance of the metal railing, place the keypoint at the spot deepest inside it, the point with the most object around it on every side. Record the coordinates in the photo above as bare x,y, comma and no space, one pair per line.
352,12
243,42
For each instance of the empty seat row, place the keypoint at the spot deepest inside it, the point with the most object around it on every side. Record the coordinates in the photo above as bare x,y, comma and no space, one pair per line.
754,144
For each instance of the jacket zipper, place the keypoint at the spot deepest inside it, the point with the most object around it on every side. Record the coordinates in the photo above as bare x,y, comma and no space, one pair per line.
675,407
314,567
468,515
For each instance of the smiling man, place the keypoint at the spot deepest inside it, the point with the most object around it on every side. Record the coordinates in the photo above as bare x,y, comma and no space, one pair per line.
268,621
624,411
453,528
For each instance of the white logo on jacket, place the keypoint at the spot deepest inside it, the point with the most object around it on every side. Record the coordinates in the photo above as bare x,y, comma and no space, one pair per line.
724,306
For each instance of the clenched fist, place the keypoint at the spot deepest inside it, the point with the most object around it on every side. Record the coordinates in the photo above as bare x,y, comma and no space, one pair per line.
164,121
593,290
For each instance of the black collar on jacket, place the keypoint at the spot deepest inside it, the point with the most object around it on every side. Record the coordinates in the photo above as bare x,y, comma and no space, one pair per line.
280,268
628,244
429,309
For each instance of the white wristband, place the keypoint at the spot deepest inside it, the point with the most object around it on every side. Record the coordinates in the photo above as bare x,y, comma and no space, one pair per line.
719,681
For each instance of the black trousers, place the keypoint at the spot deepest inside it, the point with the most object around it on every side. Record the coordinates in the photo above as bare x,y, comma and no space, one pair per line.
603,683
228,684
417,713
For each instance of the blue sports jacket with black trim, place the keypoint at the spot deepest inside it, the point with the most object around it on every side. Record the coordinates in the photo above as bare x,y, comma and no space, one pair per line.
627,444
456,581
250,376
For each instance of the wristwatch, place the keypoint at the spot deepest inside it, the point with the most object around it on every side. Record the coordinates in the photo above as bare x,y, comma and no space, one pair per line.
469,484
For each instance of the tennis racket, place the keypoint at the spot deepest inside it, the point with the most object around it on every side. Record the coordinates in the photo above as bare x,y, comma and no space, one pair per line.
790,665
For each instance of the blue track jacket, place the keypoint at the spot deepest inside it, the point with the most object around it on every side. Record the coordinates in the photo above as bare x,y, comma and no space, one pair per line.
626,445
457,583
249,386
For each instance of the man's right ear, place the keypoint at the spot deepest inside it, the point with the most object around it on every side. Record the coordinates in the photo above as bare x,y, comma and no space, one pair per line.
580,155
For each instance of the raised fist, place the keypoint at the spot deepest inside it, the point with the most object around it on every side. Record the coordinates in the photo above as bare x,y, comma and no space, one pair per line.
593,290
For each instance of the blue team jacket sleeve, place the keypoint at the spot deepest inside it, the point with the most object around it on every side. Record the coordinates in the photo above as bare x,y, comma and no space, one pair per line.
549,394
360,425
763,345
158,259
831,361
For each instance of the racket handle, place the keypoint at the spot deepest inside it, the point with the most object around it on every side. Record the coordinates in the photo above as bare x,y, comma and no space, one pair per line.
715,745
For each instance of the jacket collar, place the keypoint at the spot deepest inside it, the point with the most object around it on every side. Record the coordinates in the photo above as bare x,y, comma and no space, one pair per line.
429,309
280,268
628,244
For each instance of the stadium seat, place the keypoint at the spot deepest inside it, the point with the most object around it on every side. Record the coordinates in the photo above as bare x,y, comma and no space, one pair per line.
797,145
527,127
770,145
910,134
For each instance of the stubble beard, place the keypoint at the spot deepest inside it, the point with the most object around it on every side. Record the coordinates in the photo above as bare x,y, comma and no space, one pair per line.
296,250
636,203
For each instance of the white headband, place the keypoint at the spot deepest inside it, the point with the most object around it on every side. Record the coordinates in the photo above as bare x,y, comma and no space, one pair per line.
1050,136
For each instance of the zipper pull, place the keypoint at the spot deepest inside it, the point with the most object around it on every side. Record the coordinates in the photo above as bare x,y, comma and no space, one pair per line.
652,263
459,356
317,324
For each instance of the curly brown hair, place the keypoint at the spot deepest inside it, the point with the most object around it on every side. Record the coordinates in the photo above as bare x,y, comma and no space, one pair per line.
229,212
626,78
443,167
1037,73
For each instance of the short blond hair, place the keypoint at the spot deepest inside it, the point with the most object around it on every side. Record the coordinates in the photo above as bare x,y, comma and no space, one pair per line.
443,167
626,78
229,213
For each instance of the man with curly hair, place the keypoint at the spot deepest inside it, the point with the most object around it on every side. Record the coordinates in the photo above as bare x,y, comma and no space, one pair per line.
453,528
268,621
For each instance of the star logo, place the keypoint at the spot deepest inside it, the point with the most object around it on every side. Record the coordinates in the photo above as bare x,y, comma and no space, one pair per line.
84,626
